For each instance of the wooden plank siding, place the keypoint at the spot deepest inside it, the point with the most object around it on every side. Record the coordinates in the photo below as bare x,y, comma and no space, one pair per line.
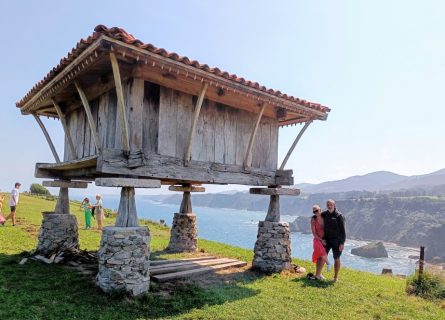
159,123
222,132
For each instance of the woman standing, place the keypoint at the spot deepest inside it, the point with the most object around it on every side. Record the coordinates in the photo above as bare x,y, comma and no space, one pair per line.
87,210
319,256
99,211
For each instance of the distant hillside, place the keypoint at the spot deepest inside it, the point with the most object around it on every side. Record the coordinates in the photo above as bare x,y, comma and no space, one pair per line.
370,182
376,181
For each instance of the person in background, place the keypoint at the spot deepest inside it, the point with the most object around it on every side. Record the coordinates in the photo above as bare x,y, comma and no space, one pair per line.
319,255
87,210
13,202
334,233
99,211
2,197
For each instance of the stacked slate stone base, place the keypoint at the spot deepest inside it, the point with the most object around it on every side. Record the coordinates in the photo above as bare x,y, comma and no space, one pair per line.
184,233
58,233
124,260
273,247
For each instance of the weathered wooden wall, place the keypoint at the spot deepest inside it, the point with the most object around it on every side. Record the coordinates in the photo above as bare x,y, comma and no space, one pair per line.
159,121
222,132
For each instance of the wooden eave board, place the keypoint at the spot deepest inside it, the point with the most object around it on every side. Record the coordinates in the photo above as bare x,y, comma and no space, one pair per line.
197,271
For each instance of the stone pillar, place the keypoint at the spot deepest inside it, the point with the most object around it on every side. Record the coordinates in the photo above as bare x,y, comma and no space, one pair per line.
272,252
184,232
124,254
124,260
59,229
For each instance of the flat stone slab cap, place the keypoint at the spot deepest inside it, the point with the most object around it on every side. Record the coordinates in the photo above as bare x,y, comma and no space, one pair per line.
128,182
65,184
275,191
187,189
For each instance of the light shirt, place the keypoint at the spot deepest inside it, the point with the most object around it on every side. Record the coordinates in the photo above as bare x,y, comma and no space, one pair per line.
14,192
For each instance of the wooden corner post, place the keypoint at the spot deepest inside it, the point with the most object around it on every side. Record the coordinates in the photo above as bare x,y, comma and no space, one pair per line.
188,150
65,128
90,118
248,158
120,103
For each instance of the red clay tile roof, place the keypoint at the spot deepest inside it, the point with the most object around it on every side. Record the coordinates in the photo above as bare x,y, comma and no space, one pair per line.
122,35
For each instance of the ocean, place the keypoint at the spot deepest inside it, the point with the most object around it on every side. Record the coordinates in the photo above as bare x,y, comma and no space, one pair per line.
239,228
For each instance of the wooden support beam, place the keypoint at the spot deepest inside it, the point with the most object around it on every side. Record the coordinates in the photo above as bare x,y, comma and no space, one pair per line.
120,103
187,188
48,138
63,202
188,150
273,213
65,129
275,191
65,184
300,134
248,158
90,118
128,182
127,215
186,204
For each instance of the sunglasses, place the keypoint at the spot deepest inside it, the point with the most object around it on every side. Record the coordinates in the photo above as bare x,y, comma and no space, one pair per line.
315,211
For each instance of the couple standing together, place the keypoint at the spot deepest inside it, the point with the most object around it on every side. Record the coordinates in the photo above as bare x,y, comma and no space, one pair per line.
328,228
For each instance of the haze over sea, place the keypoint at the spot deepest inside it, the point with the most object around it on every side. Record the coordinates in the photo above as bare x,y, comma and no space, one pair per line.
239,228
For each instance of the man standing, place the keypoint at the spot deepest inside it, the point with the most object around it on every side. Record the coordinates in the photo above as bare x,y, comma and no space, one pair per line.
334,233
13,201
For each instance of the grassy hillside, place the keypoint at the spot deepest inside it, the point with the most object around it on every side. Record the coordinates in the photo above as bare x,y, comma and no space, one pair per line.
37,291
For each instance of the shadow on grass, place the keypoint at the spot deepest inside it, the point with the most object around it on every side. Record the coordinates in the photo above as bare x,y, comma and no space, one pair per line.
305,282
36,291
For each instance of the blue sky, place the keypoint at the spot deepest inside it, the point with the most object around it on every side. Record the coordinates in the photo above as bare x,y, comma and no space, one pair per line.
380,66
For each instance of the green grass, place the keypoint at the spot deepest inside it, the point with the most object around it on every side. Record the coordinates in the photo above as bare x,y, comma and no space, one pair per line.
38,291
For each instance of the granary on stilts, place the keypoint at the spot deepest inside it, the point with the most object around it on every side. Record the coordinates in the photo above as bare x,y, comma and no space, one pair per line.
136,116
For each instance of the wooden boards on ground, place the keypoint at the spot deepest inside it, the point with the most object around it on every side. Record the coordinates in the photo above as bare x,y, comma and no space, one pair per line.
200,270
167,270
161,262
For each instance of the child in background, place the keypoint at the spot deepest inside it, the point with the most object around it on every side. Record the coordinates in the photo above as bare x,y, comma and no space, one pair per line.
87,209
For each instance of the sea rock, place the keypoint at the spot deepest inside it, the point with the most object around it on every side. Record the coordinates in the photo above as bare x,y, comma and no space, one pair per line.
387,271
371,250
301,224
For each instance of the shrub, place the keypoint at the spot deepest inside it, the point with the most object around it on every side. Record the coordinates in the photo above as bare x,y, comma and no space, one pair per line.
39,189
427,286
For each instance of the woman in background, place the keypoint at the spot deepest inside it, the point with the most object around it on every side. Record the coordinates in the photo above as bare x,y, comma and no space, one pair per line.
98,211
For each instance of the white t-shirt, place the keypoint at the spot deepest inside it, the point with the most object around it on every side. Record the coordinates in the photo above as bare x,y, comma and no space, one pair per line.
14,192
